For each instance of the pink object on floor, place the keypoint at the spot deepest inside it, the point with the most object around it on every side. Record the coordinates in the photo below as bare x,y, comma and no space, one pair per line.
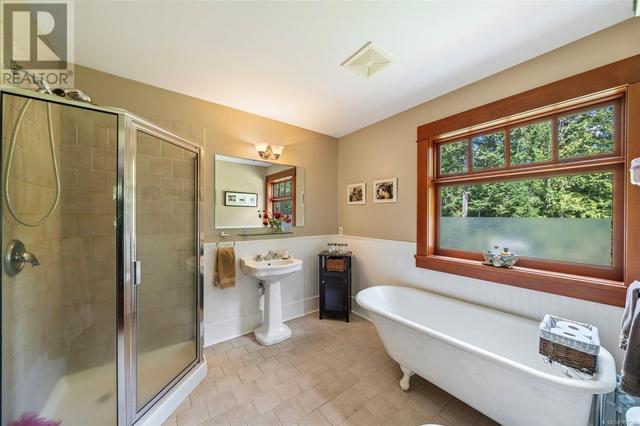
32,419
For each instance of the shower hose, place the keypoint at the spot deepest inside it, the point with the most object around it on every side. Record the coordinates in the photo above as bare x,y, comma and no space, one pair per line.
7,172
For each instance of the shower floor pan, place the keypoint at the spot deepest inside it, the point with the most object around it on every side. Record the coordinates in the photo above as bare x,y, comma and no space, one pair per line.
90,395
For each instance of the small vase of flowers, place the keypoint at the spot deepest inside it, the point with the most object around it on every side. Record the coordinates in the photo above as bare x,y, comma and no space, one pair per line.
275,220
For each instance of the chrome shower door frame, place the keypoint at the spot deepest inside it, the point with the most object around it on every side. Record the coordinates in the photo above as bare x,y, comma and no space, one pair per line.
131,125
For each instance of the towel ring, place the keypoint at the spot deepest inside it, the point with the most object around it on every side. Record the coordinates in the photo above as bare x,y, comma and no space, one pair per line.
223,242
224,235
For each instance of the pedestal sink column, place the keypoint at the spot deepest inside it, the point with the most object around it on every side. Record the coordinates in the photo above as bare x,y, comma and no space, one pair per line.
271,272
272,331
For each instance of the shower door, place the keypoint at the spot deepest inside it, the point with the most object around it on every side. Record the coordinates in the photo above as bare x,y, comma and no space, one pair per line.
59,311
101,289
164,272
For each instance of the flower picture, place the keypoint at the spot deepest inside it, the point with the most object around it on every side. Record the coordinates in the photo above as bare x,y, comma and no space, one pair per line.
356,193
385,190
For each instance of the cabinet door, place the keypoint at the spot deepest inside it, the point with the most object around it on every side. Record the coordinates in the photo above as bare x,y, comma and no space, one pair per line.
334,293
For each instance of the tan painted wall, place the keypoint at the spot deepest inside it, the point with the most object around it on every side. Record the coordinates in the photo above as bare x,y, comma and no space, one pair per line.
228,131
388,148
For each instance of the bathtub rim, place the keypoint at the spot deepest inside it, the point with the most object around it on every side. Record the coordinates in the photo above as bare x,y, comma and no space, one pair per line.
600,384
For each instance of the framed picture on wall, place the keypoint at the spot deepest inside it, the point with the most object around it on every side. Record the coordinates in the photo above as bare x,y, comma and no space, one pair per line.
356,193
240,199
385,190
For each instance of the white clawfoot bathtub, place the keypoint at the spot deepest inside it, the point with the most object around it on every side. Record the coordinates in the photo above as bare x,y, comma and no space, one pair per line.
484,357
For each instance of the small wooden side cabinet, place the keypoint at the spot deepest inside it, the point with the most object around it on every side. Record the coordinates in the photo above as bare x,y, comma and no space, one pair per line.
335,284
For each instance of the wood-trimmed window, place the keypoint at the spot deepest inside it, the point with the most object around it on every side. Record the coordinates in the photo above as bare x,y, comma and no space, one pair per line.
281,192
545,174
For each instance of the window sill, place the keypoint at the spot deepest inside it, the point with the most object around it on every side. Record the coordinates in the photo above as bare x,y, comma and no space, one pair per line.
576,286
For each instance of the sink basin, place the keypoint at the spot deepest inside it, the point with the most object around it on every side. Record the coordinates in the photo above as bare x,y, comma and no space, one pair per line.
271,272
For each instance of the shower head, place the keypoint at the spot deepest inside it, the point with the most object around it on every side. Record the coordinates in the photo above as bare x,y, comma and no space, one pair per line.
15,69
43,86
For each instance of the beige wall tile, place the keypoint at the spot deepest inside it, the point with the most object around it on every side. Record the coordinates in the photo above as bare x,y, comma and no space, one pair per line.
184,169
90,181
94,225
104,160
148,145
170,150
157,166
76,157
69,180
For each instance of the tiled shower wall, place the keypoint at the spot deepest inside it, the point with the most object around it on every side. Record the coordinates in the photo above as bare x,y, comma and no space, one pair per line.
34,336
165,212
88,160
58,318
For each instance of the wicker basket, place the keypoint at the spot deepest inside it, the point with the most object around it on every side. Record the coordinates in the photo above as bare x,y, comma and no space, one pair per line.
335,265
578,350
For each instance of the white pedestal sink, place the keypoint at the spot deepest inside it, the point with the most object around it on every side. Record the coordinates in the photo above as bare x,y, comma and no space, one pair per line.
271,272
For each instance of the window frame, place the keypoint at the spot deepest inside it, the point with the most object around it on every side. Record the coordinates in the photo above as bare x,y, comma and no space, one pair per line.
270,180
617,83
605,162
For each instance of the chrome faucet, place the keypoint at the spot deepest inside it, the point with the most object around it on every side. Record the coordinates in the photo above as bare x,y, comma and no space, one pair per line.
29,258
16,256
271,255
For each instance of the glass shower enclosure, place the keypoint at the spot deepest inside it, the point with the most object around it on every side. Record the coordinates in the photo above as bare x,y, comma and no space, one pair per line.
101,278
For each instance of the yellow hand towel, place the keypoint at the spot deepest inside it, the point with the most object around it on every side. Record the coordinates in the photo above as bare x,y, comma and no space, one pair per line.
226,267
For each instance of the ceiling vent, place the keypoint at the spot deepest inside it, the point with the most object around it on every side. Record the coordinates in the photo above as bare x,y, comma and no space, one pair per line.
367,61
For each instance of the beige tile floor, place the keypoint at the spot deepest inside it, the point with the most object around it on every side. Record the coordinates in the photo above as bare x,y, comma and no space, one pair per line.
329,373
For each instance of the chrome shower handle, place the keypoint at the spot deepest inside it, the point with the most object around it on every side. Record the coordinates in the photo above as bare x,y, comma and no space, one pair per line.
16,256
27,257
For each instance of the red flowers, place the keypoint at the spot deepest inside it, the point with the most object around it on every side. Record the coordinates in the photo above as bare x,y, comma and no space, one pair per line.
274,220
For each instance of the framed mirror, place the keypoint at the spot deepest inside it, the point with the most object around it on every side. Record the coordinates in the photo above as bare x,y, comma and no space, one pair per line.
245,188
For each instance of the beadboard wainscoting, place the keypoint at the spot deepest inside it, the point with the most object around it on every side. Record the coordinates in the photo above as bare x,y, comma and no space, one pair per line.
392,262
236,311
232,312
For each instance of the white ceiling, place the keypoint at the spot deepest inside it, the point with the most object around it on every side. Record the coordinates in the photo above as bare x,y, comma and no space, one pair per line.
282,59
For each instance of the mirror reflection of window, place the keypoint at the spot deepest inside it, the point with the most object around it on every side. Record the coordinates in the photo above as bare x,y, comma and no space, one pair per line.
281,192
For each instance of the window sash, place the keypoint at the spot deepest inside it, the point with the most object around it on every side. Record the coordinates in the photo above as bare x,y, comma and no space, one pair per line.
615,101
613,272
279,179
280,184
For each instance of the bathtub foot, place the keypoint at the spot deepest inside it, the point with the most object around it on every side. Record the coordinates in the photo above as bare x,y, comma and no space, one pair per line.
404,382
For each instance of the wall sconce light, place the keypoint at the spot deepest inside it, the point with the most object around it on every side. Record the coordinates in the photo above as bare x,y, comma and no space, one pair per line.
267,151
